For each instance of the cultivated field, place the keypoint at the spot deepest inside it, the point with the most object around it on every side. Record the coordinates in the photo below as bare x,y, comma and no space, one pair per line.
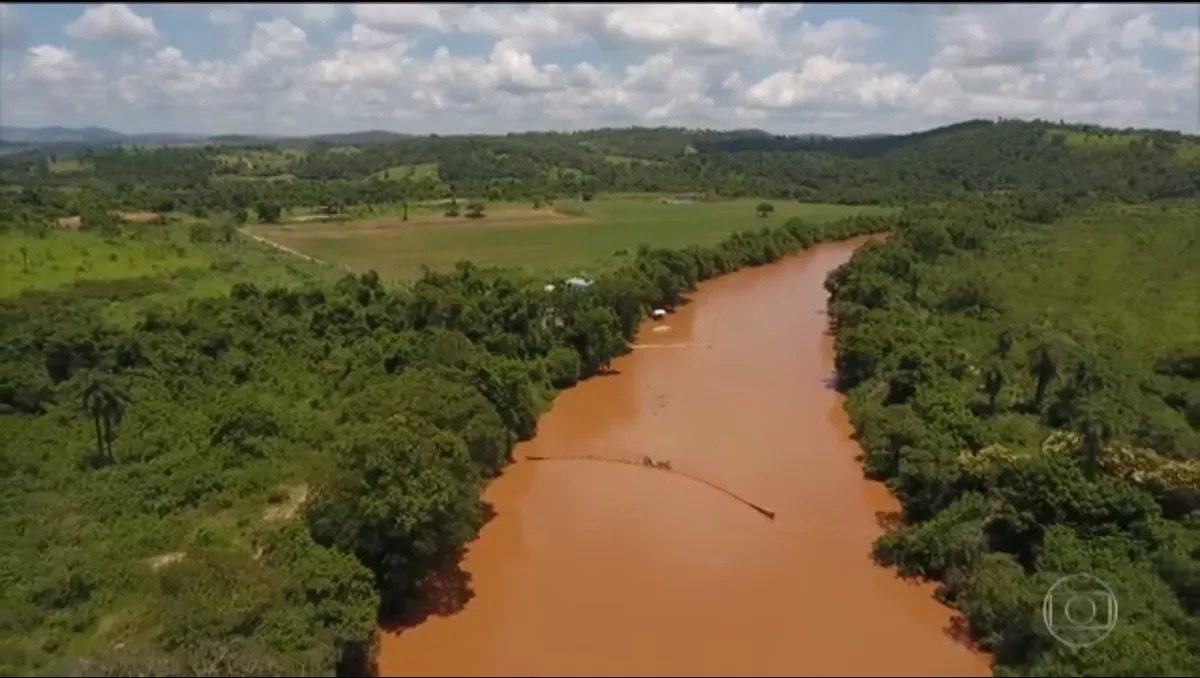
147,266
542,239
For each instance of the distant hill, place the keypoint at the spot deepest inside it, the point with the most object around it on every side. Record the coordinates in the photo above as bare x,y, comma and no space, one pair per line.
15,138
968,157
59,135
374,136
863,146
85,136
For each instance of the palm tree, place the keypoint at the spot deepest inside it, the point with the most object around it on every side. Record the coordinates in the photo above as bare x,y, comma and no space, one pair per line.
103,398
993,383
1044,367
1004,343
1095,427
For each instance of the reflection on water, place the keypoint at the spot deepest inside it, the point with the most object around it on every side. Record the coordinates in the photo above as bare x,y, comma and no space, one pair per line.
604,568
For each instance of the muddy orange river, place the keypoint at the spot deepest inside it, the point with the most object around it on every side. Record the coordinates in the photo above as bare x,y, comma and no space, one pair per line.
598,568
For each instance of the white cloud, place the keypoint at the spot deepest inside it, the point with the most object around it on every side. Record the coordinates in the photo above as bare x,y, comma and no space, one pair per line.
307,14
825,82
687,27
168,77
542,23
275,40
51,80
348,67
55,65
402,18
836,36
312,14
707,65
1021,34
513,70
1137,32
112,21
364,37
225,15
700,27
12,29
1185,40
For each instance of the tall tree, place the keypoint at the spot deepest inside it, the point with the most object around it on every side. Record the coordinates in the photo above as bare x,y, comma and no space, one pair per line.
1004,343
1044,366
268,212
405,495
105,400
993,382
1096,427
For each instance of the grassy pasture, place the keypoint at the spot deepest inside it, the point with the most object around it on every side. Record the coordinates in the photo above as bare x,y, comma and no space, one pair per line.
260,163
542,239
147,266
62,259
1186,150
399,172
1123,276
68,166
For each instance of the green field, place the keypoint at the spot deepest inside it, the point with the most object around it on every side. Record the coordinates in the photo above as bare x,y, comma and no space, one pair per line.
260,163
627,160
1186,150
67,166
399,172
147,266
61,259
539,240
1123,277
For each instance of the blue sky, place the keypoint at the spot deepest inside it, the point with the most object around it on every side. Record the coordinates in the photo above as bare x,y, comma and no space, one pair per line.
823,68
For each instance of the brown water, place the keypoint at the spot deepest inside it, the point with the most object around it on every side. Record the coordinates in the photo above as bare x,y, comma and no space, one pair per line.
596,568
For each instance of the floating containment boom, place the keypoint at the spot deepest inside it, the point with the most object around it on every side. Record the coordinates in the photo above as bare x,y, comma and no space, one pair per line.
647,462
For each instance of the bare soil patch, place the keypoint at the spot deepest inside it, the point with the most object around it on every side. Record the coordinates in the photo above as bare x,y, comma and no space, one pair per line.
138,217
161,561
287,509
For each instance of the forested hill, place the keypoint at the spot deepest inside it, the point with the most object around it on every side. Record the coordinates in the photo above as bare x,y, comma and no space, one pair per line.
1072,162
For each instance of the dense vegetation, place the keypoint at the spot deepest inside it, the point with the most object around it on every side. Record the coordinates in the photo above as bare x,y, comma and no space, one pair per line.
238,484
1070,161
1030,392
223,461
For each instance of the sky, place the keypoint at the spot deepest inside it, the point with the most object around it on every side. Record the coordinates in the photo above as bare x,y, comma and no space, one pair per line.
490,68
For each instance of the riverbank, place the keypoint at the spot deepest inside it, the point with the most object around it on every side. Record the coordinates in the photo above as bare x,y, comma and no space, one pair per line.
600,568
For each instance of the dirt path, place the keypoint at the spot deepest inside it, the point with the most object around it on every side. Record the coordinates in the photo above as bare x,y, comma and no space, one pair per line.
284,248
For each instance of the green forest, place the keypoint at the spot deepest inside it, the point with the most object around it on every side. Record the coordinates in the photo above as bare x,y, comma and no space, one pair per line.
1031,394
1067,161
235,461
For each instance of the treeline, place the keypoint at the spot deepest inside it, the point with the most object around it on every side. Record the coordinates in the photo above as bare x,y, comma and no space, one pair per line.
241,485
973,158
1022,451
